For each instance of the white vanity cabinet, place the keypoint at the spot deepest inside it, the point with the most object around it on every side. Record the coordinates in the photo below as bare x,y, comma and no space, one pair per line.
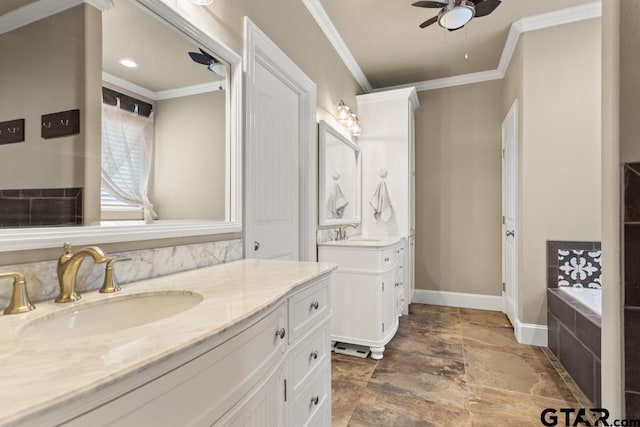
365,291
273,369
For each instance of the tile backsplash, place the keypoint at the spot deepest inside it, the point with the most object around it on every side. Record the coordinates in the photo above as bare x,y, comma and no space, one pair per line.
42,282
40,206
574,264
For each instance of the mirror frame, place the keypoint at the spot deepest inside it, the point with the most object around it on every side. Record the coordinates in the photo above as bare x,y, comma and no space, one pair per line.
324,130
15,239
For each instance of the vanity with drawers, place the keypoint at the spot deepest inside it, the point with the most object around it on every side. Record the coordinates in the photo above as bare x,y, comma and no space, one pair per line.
367,290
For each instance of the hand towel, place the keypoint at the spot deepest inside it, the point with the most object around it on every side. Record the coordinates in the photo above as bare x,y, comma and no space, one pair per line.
381,203
336,202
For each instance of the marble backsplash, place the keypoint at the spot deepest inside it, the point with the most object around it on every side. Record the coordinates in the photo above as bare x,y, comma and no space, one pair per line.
42,281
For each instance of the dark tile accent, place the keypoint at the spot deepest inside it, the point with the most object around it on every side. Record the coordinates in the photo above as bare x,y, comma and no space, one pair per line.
632,349
32,192
632,192
578,361
559,308
53,192
597,382
37,207
578,250
632,403
13,211
631,265
553,325
587,332
552,275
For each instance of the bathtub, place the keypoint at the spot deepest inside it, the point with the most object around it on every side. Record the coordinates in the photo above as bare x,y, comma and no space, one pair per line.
591,298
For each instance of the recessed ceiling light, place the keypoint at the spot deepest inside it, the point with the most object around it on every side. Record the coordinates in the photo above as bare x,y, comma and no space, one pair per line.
202,2
129,63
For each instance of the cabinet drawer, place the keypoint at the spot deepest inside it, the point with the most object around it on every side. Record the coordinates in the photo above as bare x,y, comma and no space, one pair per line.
312,397
202,390
308,355
308,308
390,257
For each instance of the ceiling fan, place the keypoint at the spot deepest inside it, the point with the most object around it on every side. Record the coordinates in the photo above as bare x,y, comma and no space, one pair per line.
206,59
455,14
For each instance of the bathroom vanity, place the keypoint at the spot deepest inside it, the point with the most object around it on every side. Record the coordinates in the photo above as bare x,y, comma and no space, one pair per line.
367,290
242,343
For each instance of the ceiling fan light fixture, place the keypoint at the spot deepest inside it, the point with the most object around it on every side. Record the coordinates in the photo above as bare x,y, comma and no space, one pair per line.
457,16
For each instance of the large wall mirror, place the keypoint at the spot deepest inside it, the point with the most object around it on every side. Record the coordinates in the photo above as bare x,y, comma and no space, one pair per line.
118,122
340,189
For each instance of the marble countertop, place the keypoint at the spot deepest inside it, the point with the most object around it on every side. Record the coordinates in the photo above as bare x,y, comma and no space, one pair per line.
364,242
36,376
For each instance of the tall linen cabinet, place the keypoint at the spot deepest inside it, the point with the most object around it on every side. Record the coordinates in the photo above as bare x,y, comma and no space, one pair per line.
388,154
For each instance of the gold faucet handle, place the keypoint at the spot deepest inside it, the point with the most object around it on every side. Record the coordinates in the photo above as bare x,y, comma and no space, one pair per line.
20,302
110,283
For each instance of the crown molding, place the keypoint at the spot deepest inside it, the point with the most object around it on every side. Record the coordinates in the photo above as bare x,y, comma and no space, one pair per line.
330,31
523,25
403,93
161,94
41,9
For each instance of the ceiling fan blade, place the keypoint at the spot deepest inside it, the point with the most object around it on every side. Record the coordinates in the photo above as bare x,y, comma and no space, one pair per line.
429,22
209,56
200,58
486,7
432,4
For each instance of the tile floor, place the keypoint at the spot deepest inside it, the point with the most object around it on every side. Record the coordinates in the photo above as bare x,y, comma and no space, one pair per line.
455,367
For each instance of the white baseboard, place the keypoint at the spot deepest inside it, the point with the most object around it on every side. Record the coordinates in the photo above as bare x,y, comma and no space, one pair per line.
531,334
526,333
458,299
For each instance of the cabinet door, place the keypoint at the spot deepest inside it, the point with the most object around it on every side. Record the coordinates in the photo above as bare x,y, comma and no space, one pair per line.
263,407
389,316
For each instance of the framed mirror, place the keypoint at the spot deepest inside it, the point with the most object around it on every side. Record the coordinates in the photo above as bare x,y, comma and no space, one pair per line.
131,125
340,191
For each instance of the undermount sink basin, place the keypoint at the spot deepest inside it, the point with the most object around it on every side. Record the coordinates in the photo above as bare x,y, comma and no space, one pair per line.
110,315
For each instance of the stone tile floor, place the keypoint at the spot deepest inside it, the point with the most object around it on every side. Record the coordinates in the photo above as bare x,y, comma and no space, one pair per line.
455,367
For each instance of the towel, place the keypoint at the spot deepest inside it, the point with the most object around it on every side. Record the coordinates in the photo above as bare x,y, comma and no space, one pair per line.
336,202
381,203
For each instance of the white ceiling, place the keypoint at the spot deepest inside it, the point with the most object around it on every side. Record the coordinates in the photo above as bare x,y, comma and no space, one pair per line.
386,42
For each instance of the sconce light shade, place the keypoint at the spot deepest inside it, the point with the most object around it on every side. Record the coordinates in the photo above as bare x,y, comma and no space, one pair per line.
344,112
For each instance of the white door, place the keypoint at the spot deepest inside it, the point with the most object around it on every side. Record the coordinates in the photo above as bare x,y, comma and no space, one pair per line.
272,170
509,211
280,153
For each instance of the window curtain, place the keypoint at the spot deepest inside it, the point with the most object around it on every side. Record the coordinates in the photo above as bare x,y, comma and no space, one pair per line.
127,152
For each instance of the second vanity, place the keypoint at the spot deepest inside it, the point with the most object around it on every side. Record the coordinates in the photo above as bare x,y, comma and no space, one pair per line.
243,343
367,290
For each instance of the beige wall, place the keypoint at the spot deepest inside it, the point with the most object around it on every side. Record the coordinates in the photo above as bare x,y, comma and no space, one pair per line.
458,189
559,167
32,70
189,157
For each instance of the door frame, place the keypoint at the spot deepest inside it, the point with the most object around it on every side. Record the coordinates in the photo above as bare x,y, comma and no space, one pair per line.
511,115
259,48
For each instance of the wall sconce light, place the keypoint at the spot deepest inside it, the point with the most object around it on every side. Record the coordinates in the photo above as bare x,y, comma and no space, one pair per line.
348,119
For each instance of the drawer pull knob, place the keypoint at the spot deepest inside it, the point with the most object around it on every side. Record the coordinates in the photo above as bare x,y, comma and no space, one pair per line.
315,400
314,354
281,333
315,305
386,259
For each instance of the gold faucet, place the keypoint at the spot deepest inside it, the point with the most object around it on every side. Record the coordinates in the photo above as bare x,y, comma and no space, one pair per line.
19,299
110,283
68,265
342,230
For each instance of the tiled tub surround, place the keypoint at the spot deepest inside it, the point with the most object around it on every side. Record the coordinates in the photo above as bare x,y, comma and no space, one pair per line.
40,206
574,264
39,378
42,281
631,275
574,337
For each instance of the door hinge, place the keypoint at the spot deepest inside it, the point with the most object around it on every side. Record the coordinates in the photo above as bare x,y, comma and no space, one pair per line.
503,153
503,219
382,286
382,326
504,287
285,390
